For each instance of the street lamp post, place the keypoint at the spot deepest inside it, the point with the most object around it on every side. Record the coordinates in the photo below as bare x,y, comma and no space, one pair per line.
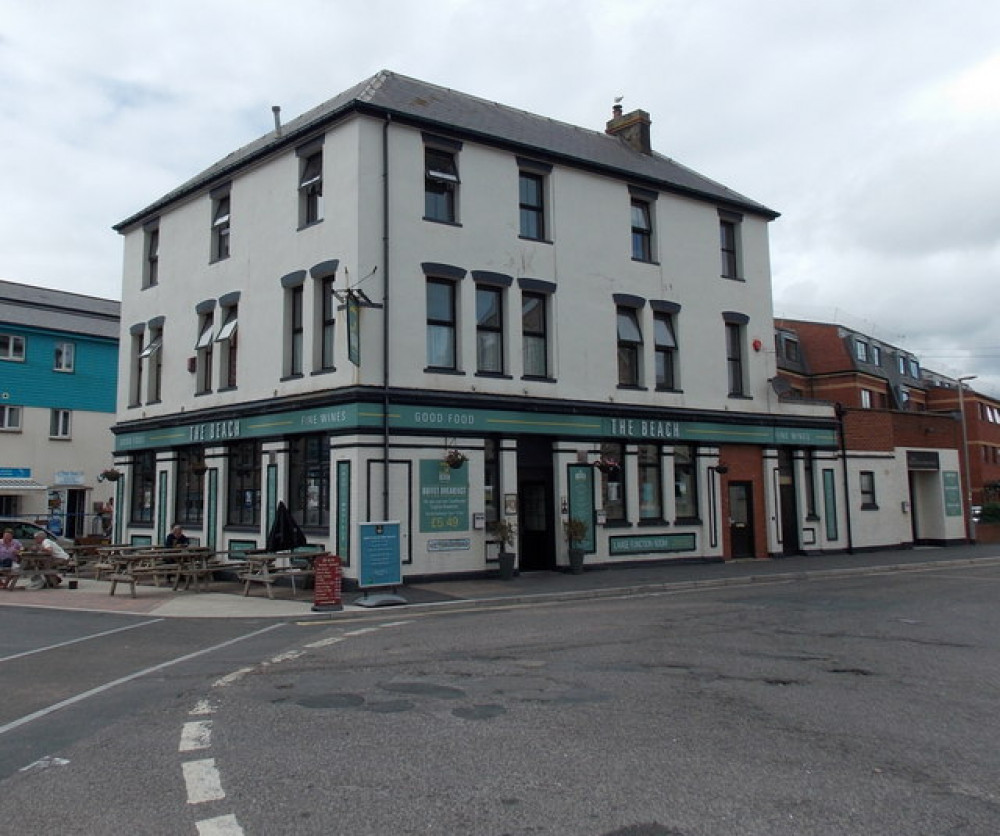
970,522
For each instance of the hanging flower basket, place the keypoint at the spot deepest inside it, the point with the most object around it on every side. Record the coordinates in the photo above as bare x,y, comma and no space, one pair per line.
606,464
455,458
199,468
109,475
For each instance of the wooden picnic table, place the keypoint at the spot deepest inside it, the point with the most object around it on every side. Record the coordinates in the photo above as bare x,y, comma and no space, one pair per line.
104,556
40,563
194,565
156,564
267,568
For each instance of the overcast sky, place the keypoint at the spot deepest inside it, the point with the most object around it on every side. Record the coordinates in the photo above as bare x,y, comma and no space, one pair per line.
873,126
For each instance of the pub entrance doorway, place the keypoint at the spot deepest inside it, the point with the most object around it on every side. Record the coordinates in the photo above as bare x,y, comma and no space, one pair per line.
536,505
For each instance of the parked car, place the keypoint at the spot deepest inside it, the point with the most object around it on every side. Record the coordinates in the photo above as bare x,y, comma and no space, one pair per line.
25,532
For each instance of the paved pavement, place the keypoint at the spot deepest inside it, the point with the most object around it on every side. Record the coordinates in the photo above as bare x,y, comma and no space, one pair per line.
227,601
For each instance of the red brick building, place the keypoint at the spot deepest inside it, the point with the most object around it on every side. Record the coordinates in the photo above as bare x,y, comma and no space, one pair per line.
982,428
901,453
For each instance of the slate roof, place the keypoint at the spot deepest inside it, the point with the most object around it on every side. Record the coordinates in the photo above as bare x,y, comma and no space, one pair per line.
829,349
461,115
57,310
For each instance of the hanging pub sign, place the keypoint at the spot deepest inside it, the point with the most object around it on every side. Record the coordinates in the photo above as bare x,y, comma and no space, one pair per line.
354,330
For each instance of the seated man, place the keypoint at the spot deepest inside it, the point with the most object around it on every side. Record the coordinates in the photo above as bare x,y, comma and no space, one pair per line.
54,550
177,539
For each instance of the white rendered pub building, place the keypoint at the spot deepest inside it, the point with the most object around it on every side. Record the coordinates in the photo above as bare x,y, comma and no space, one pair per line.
409,277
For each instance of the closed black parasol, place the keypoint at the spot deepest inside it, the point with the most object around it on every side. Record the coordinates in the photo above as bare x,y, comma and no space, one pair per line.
285,533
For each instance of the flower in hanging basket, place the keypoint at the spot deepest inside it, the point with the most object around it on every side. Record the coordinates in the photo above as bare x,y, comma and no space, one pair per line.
110,474
605,464
455,458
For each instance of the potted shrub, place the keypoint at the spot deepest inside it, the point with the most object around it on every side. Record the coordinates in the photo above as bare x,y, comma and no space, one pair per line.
576,531
504,531
110,474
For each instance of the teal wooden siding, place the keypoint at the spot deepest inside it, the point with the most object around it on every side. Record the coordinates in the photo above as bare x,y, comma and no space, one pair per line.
90,387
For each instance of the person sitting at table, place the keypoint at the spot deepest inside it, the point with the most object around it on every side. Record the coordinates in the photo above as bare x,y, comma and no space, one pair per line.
10,553
177,538
53,549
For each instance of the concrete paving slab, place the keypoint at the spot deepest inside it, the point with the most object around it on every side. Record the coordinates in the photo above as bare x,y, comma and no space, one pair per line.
225,598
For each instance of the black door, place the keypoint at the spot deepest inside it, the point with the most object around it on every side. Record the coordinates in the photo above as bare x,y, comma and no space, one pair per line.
741,519
76,513
790,544
535,512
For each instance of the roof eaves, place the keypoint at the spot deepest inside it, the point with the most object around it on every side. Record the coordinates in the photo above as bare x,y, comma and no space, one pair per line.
234,162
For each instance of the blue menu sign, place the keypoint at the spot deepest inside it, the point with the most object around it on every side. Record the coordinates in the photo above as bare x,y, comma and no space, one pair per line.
380,562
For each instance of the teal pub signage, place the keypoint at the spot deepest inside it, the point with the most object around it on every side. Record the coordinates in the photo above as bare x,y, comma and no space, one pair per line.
348,418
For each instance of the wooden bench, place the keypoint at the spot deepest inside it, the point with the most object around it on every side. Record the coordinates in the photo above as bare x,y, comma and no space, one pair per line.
131,575
195,567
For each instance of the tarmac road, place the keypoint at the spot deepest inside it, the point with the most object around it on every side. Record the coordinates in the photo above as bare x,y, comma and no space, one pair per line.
771,702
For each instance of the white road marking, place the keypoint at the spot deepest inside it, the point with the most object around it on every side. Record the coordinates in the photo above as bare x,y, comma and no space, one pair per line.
203,781
284,657
202,707
202,778
79,639
194,736
230,678
220,826
362,631
93,692
325,642
44,763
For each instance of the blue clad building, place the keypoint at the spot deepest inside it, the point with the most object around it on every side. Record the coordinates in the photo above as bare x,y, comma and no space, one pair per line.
58,383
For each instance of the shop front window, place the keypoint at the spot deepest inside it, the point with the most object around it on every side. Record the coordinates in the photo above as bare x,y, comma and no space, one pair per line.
189,499
244,485
491,480
309,480
685,482
613,483
650,492
143,488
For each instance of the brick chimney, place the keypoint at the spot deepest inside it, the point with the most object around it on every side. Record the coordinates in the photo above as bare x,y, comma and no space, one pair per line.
632,127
